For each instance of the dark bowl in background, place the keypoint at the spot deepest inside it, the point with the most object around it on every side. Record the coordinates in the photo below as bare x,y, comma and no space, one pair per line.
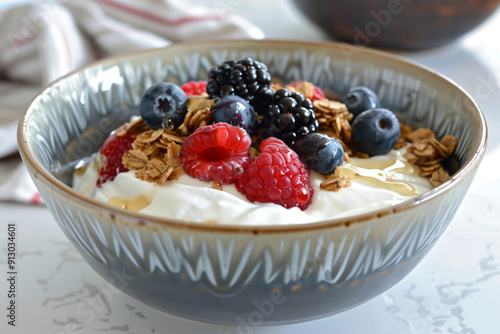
397,24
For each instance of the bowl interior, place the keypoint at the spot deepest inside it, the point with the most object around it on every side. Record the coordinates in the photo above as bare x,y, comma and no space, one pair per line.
71,118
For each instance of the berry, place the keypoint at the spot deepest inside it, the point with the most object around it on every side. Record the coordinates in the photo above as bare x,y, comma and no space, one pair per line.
162,106
245,78
219,152
318,93
277,176
289,117
319,152
262,99
236,111
359,99
109,160
194,88
375,131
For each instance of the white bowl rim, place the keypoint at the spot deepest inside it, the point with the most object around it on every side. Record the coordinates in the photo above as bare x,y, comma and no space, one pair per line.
158,222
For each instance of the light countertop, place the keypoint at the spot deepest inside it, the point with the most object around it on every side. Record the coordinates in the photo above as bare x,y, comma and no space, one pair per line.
455,289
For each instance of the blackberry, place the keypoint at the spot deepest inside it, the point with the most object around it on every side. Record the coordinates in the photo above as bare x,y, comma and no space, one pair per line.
262,99
288,116
245,78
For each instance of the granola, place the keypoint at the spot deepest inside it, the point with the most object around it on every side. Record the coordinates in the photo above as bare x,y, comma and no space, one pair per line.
304,87
334,120
405,130
428,154
199,114
336,181
439,177
154,154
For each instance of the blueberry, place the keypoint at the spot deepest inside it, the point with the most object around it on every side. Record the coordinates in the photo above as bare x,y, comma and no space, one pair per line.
236,111
359,99
319,152
375,131
162,106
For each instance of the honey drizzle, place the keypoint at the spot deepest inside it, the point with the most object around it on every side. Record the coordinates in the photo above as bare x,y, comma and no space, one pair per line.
380,174
135,204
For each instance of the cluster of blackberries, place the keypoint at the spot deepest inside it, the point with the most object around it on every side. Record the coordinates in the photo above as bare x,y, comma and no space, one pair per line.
284,114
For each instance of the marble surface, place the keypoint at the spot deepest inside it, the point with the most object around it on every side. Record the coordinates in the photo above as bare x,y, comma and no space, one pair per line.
455,289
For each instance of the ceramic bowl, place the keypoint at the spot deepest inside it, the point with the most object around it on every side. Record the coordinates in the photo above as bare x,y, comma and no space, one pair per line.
397,24
246,275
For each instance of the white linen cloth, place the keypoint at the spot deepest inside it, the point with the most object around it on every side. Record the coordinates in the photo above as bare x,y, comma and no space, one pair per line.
42,41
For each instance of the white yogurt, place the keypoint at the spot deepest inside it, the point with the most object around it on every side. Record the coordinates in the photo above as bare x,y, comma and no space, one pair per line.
190,199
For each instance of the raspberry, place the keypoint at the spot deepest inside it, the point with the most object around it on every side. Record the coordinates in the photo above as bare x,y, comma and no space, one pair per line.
194,88
277,176
318,93
110,156
219,152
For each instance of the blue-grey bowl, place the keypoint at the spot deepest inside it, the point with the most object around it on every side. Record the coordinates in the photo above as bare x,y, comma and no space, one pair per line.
247,275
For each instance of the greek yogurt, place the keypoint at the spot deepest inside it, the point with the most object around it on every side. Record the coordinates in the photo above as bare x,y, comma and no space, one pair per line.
376,183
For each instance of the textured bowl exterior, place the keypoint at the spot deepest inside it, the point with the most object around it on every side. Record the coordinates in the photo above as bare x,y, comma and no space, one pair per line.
247,276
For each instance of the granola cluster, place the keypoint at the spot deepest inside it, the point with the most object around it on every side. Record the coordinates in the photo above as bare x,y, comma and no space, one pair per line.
304,87
336,181
155,153
199,114
428,153
334,120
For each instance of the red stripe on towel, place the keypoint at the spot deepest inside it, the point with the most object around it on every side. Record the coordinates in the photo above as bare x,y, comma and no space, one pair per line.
156,18
23,40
